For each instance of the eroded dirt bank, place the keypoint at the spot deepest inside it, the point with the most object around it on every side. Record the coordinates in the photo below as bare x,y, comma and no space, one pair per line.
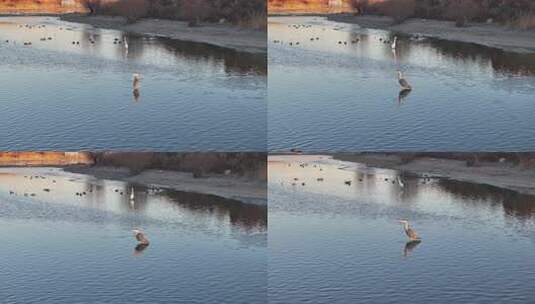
45,158
21,7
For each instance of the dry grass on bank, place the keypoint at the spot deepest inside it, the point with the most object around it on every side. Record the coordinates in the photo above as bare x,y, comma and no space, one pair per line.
248,164
515,13
524,160
525,22
247,13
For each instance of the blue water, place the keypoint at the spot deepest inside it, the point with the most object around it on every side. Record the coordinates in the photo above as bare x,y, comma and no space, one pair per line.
58,96
335,243
58,247
327,96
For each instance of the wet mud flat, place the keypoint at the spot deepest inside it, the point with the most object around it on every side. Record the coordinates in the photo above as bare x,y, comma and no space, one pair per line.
513,171
223,35
335,235
239,176
56,221
490,35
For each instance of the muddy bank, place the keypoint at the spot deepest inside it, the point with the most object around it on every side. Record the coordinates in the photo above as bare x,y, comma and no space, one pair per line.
222,35
238,176
233,175
490,35
513,171
243,189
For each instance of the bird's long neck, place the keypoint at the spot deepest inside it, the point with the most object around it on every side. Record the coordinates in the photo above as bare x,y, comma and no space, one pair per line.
406,226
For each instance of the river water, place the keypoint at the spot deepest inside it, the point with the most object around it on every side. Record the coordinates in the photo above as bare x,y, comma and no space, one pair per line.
330,242
63,96
340,92
60,247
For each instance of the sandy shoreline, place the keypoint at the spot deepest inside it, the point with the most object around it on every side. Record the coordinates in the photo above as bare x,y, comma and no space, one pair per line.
246,190
490,35
222,35
504,174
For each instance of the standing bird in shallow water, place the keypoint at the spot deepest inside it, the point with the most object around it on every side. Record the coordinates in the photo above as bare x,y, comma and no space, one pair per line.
403,82
400,182
140,237
136,81
395,43
413,236
132,202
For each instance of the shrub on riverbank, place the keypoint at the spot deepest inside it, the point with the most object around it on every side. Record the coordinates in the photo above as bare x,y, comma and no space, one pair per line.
250,13
250,164
517,13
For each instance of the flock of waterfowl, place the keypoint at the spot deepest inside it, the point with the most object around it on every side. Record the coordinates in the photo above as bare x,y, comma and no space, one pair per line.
404,84
398,181
91,39
136,84
138,233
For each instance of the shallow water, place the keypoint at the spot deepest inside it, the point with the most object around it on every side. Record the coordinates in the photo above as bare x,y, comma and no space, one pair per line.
326,96
63,96
59,247
335,243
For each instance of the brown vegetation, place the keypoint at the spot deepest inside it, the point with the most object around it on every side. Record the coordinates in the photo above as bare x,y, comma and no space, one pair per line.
250,164
524,160
517,13
199,163
251,13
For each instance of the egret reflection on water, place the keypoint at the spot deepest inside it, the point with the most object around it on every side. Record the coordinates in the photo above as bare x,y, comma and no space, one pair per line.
136,84
403,94
138,250
409,247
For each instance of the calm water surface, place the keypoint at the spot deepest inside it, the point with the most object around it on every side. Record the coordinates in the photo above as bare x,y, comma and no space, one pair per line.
64,96
326,96
62,248
335,243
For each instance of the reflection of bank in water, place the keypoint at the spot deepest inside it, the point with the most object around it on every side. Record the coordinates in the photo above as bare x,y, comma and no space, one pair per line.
229,189
510,203
323,175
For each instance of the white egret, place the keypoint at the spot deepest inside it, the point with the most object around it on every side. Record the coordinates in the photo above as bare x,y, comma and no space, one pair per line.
394,44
